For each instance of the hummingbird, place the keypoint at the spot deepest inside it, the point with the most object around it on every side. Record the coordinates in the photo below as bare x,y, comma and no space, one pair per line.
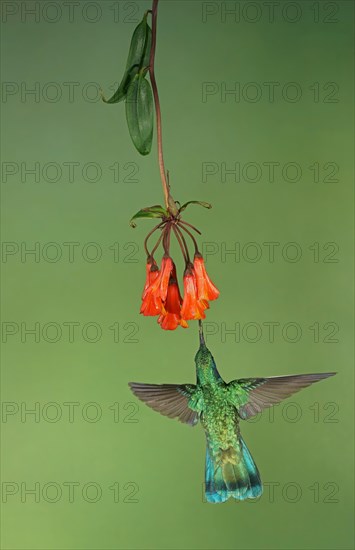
230,470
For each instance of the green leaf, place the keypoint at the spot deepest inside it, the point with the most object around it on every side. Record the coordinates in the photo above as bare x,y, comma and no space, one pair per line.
138,59
145,61
201,203
139,113
121,92
156,211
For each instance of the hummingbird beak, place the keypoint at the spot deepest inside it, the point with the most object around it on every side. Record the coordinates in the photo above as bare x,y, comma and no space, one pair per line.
202,338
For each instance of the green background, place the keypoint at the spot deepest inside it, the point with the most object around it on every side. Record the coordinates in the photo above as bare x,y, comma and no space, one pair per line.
162,458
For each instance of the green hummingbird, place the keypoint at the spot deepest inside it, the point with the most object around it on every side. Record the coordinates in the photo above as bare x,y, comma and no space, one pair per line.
230,470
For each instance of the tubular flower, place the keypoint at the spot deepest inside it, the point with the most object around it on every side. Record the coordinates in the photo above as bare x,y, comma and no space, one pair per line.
192,306
151,302
206,290
160,286
173,298
170,319
156,286
151,305
152,272
161,294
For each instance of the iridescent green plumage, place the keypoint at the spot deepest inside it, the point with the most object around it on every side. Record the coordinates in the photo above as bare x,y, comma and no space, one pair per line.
230,469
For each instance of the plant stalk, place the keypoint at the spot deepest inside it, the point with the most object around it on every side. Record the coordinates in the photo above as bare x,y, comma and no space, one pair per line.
169,202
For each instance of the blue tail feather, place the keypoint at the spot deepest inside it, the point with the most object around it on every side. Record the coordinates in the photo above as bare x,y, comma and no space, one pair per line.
238,478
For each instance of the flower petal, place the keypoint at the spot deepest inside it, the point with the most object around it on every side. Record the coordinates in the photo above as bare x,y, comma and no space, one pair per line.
170,321
191,307
206,290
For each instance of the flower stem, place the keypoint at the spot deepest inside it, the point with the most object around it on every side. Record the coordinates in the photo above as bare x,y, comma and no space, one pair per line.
181,244
192,238
178,232
157,244
192,226
166,239
169,202
149,234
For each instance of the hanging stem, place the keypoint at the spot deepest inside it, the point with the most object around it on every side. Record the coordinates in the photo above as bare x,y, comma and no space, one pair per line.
192,226
157,244
166,238
178,231
181,244
192,238
149,234
169,202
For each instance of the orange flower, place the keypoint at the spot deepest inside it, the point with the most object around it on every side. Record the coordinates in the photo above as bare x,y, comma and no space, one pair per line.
151,305
160,286
156,287
206,290
152,272
173,298
192,306
161,295
170,319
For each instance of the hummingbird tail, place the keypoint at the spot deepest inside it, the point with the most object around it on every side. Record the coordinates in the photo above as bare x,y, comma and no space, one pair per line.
233,474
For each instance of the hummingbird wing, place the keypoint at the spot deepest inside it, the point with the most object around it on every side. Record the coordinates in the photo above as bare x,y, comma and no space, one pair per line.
252,395
172,400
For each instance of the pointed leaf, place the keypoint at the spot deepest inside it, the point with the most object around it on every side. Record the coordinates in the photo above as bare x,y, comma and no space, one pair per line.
138,58
156,211
145,60
201,203
122,89
139,113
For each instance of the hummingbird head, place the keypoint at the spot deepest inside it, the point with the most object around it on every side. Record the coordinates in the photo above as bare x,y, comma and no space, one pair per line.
205,366
203,357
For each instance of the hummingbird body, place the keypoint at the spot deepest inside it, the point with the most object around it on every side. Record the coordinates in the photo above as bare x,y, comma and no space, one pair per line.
230,470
